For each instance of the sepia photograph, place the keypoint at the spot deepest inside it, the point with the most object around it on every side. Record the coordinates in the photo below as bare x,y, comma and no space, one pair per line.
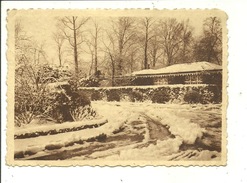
117,87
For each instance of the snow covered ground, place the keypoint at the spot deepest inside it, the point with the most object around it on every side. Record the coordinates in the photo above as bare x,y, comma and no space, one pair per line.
137,131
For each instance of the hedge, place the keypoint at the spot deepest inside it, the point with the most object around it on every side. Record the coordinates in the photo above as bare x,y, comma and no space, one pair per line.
158,94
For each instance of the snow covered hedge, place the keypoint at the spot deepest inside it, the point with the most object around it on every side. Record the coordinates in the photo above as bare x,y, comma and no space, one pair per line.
157,94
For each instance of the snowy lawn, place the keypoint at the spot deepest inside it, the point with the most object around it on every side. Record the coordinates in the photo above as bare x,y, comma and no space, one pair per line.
188,124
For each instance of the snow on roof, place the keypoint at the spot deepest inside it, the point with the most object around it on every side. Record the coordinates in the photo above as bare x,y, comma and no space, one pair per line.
179,68
145,71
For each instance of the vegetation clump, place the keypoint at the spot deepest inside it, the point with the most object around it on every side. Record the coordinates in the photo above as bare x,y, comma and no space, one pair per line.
113,95
192,97
160,96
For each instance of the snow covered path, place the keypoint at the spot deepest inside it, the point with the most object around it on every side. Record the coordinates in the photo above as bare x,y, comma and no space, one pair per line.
139,131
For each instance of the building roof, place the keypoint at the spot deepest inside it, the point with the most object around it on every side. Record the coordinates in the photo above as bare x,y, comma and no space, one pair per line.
145,71
181,68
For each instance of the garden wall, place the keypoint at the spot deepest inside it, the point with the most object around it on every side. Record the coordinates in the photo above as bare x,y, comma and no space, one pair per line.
157,94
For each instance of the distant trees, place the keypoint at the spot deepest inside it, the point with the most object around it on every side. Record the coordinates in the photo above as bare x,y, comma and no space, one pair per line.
59,39
118,46
93,45
122,34
155,51
145,37
176,37
29,57
72,28
111,55
170,34
187,41
209,45
127,44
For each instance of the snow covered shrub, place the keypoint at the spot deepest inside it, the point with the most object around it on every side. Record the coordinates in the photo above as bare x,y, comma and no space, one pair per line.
66,103
192,96
29,103
160,96
113,95
83,112
216,93
90,82
96,95
207,96
136,96
73,84
60,108
78,99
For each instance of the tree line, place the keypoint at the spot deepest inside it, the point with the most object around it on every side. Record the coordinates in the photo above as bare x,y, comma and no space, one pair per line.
119,46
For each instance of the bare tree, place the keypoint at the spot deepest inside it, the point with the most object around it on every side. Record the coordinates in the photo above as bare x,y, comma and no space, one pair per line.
72,29
111,55
123,32
133,59
30,59
186,50
29,56
155,51
170,33
93,45
209,46
21,38
91,52
59,39
146,36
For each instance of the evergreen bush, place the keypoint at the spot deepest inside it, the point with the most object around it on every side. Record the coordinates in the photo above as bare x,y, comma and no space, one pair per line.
136,96
96,95
192,96
113,95
160,96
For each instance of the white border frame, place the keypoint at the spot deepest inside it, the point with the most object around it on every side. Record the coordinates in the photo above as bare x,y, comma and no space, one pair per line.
235,171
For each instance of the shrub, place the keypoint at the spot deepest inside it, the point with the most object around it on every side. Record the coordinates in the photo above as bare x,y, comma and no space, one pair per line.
81,113
192,97
207,96
90,82
28,104
79,99
66,104
96,95
217,93
60,110
136,96
113,95
160,96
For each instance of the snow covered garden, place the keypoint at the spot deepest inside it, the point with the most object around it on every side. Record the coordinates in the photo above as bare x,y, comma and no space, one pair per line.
128,88
124,129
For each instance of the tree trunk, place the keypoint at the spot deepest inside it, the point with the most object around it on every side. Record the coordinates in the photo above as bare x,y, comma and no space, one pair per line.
96,54
145,49
120,62
75,48
60,56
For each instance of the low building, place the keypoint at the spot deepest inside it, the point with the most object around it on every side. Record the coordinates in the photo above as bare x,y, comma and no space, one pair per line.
187,73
